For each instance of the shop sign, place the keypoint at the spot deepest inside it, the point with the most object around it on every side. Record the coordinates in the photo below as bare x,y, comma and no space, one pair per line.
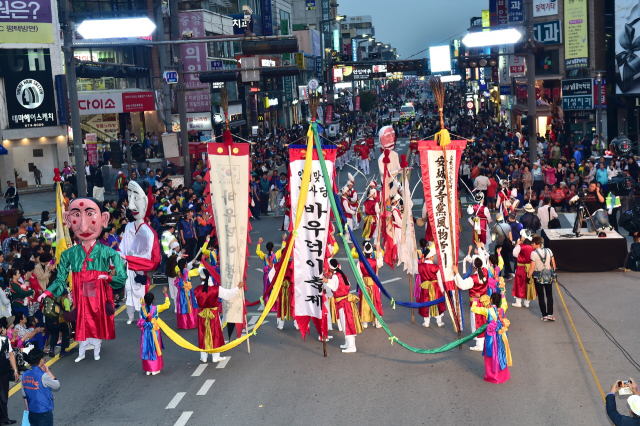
545,7
28,83
196,121
115,102
548,32
577,94
516,12
576,46
288,89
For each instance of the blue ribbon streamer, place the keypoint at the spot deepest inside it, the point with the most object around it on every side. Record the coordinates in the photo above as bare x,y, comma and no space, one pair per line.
148,345
183,297
376,280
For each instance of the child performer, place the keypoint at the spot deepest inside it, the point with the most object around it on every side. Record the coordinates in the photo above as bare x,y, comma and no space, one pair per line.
151,341
497,354
187,304
429,285
366,314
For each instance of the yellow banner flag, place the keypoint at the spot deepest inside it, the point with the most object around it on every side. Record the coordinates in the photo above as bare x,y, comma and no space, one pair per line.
62,238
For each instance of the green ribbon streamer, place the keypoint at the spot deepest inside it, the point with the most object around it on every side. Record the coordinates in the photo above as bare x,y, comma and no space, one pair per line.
336,215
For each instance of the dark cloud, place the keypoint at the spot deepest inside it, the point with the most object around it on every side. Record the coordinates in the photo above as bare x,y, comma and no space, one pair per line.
413,25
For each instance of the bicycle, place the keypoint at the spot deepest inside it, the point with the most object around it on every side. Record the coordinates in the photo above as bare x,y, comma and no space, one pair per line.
11,205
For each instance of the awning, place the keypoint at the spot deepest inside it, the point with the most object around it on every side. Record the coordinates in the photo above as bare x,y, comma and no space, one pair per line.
3,150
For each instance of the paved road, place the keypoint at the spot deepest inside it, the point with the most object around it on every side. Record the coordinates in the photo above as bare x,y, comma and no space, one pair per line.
285,380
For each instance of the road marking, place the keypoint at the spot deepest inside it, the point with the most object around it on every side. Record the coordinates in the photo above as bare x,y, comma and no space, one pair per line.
259,270
184,418
391,280
175,401
223,363
253,320
261,308
417,200
199,370
205,388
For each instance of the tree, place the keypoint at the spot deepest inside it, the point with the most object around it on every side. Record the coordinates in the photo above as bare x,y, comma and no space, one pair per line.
367,101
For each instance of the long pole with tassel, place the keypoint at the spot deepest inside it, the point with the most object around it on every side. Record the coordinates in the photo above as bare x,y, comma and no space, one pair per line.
443,138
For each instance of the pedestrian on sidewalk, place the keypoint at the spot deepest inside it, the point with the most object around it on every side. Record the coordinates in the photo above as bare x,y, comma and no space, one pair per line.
37,384
37,174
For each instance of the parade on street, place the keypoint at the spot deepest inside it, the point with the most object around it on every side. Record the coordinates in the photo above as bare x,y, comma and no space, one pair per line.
255,213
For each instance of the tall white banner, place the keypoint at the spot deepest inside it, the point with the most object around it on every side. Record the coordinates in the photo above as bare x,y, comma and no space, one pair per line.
229,187
310,244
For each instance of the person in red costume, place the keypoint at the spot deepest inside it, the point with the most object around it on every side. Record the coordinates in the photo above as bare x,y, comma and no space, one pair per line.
477,284
523,286
209,327
372,210
89,264
429,285
139,247
346,304
479,220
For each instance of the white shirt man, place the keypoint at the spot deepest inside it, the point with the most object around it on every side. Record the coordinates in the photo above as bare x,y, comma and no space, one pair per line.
545,214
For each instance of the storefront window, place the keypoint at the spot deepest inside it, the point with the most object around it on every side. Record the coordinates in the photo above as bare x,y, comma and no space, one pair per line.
107,6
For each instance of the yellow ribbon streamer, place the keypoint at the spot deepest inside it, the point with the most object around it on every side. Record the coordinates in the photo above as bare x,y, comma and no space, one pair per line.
208,314
302,199
285,306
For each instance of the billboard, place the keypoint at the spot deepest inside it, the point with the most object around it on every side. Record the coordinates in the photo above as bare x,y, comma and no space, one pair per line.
28,83
576,46
545,7
627,72
440,58
26,22
577,94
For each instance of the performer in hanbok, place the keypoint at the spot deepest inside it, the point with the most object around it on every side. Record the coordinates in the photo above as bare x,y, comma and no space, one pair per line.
270,258
349,212
209,327
523,286
366,314
480,220
363,154
91,281
139,247
372,210
396,219
497,353
346,304
187,304
352,196
477,284
151,340
429,285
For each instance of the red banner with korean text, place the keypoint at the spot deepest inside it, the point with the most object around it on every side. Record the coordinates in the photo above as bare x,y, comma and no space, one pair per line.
436,168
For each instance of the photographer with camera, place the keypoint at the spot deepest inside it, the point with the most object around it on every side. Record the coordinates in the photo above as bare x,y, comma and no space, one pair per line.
634,404
594,203
543,271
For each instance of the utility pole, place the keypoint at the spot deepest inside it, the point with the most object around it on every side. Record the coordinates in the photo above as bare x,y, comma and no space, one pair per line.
163,52
532,119
181,88
72,84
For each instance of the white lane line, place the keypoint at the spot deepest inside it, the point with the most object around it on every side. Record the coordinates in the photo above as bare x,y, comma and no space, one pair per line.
175,401
199,370
205,388
223,363
391,280
184,418
259,270
253,320
417,200
261,308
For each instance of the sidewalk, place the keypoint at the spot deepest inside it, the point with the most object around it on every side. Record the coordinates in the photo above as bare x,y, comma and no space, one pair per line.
34,203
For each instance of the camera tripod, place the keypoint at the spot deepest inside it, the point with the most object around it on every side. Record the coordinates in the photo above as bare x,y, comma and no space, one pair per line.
580,215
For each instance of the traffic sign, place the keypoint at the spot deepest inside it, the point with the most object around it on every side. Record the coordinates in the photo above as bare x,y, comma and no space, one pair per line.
171,77
469,105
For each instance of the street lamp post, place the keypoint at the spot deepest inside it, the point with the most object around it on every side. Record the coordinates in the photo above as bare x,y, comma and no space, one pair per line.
598,99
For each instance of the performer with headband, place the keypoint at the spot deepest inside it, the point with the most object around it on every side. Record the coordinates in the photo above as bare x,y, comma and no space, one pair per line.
346,304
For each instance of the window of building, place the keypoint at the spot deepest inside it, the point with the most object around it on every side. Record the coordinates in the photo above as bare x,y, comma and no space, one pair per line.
38,153
106,6
360,25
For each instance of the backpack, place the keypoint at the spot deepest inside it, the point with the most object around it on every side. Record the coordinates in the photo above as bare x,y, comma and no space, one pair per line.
546,276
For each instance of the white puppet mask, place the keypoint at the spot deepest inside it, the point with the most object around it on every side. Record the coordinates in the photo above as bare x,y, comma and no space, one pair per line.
138,202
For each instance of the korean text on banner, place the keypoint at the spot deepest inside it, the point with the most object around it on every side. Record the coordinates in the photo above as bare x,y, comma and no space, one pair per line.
230,201
435,169
310,243
26,22
576,44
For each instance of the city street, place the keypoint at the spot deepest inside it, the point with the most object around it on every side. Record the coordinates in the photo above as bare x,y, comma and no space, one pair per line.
286,380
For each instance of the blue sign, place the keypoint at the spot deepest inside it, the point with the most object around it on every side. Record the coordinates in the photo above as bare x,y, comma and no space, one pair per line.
171,77
505,90
216,65
63,100
319,69
267,19
240,25
516,12
354,48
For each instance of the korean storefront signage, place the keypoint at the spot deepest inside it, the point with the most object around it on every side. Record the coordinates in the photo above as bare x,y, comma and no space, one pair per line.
26,21
577,94
548,32
576,46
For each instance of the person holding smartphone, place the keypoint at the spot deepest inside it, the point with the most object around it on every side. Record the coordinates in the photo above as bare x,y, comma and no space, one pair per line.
634,405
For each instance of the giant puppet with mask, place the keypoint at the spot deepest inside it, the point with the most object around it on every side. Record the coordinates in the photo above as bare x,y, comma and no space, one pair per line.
91,283
139,247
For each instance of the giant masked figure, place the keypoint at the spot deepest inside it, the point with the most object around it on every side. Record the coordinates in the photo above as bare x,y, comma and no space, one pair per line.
89,263
388,141
139,247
